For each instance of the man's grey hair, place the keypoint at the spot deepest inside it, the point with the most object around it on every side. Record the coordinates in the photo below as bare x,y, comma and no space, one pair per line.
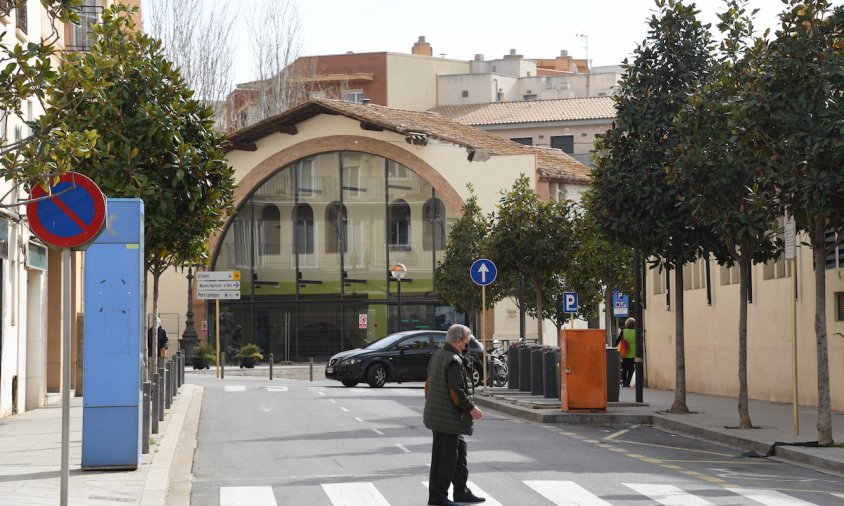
456,332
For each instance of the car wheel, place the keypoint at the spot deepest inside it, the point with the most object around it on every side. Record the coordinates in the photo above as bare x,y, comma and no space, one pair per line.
376,376
349,383
476,372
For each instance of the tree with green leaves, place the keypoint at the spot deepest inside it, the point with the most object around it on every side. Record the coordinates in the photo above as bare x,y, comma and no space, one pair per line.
27,73
719,178
795,108
635,204
155,141
532,238
465,245
601,265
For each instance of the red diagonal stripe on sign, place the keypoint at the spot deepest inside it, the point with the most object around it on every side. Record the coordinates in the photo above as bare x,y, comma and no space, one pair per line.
68,211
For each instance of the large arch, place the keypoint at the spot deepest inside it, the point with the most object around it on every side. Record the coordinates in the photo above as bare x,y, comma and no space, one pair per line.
270,165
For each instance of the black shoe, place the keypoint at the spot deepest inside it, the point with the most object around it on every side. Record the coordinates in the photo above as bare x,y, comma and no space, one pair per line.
470,499
444,503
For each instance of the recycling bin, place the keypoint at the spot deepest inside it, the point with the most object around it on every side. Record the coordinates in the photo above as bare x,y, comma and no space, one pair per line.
536,382
613,374
524,368
549,374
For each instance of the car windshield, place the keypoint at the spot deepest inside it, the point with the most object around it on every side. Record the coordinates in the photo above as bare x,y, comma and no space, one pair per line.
385,342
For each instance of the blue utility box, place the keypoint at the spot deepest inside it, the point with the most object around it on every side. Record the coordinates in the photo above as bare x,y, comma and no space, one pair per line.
113,346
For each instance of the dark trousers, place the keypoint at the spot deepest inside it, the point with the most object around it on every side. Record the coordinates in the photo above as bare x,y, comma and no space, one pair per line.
628,366
448,466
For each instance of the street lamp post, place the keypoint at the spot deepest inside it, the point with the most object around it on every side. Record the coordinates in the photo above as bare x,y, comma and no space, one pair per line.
398,271
189,340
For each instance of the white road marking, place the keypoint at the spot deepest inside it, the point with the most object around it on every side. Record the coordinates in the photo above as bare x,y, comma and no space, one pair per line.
402,448
344,409
769,497
565,493
668,495
354,494
478,491
235,388
332,401
378,432
358,419
276,389
247,496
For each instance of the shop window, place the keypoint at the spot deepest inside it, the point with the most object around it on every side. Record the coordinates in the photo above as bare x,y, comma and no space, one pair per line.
433,232
399,231
336,227
303,229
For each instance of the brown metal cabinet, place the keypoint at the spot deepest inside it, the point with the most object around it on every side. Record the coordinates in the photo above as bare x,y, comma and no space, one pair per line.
583,370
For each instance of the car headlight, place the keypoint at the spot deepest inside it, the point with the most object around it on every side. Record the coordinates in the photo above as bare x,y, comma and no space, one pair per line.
350,361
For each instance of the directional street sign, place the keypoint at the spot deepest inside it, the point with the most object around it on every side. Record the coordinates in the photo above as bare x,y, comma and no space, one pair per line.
218,285
483,272
72,217
569,302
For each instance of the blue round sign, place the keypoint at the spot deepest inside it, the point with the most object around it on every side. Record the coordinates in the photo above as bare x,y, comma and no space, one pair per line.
483,272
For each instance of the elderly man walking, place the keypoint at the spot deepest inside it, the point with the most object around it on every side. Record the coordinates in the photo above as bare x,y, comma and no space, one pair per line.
450,413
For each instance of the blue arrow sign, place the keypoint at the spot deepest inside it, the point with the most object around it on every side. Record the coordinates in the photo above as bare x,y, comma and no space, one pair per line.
569,302
483,272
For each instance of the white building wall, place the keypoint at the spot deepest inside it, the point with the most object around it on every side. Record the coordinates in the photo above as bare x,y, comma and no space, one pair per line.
409,79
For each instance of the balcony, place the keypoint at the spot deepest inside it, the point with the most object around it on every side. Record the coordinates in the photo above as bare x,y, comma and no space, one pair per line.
81,36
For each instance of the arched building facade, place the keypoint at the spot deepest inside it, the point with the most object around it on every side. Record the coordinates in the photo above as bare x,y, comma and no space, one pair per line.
330,195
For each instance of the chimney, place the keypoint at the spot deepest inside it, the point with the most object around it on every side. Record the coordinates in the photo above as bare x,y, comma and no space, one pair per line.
479,57
513,55
422,48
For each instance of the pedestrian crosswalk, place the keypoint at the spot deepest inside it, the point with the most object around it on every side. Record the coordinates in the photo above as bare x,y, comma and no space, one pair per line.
555,492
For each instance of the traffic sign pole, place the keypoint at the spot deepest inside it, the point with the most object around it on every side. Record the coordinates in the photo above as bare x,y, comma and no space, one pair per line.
66,314
483,327
217,331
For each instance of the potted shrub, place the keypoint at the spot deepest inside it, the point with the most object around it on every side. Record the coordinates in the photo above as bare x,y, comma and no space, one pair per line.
204,357
249,354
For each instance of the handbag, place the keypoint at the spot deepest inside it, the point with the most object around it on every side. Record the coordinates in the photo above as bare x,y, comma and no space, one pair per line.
623,347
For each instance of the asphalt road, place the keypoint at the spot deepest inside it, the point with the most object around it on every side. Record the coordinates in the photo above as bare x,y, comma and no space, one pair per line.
291,442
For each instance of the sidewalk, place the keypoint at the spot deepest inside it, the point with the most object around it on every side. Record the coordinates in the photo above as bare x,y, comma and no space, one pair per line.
30,458
712,418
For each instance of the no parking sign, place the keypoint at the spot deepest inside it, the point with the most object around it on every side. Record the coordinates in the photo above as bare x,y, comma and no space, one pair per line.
70,215
362,321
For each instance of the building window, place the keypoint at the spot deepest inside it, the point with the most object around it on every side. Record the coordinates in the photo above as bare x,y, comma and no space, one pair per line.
839,306
465,93
729,275
433,232
399,223
396,170
82,35
527,141
269,231
835,252
355,96
336,228
21,21
660,279
530,96
776,269
565,143
305,177
694,275
303,229
557,192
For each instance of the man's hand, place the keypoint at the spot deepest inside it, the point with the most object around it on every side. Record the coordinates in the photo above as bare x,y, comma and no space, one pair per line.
476,413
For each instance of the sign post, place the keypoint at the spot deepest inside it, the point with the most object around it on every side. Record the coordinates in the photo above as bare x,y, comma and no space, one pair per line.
68,215
789,232
483,272
218,285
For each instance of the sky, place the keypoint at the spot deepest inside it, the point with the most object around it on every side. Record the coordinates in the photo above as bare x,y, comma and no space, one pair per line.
459,29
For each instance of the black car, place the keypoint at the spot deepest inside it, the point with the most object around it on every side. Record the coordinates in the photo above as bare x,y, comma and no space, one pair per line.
398,357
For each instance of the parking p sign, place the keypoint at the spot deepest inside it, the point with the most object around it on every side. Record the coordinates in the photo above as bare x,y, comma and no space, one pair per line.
569,302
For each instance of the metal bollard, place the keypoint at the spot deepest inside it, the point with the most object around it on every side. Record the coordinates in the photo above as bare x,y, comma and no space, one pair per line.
223,365
312,368
168,379
146,407
271,366
154,403
177,361
182,360
161,395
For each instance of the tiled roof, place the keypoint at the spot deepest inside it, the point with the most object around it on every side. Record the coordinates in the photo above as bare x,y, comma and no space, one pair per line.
551,163
530,111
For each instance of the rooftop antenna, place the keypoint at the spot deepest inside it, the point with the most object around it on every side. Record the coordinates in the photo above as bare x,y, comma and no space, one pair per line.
585,37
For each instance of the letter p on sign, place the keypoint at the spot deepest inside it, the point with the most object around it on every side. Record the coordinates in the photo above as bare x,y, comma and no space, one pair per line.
569,302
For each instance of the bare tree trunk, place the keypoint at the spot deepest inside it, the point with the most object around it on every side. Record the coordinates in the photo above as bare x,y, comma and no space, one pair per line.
824,402
679,405
744,286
